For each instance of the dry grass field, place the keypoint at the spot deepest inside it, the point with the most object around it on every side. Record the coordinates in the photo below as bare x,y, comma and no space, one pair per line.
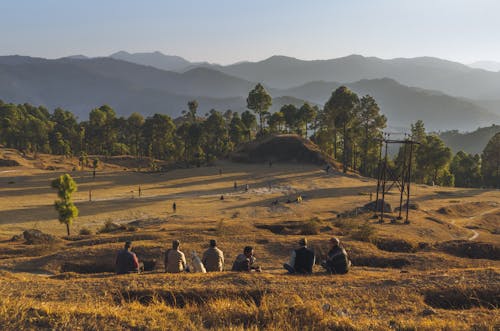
440,272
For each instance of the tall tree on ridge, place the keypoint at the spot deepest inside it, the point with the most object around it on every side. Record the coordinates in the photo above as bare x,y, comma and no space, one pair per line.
259,101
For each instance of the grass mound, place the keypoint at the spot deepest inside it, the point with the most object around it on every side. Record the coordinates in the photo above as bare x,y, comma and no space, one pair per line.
190,297
282,148
466,209
380,262
395,245
471,249
459,298
87,268
309,227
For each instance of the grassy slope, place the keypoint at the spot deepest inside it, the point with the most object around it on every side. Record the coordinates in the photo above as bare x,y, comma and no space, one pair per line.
372,295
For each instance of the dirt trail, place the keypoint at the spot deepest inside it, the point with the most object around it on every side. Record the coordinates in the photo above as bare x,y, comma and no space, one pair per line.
475,233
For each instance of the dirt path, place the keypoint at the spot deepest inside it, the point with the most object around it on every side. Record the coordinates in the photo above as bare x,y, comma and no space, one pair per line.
475,233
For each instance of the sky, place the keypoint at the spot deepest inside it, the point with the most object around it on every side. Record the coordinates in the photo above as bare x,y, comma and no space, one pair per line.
228,31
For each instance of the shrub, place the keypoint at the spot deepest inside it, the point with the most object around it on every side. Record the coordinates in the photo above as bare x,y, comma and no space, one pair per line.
85,232
365,232
310,227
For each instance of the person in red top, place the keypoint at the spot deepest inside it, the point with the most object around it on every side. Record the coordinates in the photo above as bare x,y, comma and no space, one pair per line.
126,261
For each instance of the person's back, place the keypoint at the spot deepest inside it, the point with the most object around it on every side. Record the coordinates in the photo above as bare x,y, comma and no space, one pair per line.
338,261
246,261
241,263
126,261
175,261
213,259
304,260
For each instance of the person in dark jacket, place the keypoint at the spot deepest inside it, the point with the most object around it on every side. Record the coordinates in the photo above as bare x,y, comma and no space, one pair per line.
126,261
301,259
246,261
337,261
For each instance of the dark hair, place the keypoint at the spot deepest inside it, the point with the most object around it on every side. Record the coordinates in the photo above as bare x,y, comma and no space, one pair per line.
213,243
247,249
128,244
175,244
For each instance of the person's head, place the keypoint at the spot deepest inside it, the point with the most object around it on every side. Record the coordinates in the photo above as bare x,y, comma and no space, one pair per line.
334,242
303,242
175,244
127,245
248,251
213,243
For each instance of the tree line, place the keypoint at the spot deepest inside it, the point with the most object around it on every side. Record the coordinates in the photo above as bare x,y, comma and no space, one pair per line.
349,128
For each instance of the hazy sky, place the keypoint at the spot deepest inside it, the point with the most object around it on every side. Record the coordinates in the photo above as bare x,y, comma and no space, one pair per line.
226,31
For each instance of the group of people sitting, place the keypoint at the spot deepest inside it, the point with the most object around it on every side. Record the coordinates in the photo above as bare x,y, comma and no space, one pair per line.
301,261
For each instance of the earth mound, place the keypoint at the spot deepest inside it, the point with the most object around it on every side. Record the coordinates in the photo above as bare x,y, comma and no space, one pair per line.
282,148
9,163
36,237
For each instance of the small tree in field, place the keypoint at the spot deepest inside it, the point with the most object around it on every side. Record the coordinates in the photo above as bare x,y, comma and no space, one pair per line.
67,210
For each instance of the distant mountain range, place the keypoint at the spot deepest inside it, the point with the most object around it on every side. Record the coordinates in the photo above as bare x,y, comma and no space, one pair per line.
283,72
486,65
141,82
470,142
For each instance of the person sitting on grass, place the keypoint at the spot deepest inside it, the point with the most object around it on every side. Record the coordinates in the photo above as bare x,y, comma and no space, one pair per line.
126,261
175,261
301,259
246,261
213,258
337,261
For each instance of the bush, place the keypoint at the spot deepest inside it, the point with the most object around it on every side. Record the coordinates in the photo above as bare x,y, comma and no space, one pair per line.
85,232
365,232
310,227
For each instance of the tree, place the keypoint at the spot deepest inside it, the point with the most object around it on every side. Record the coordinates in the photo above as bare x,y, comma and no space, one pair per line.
67,210
102,131
216,135
135,123
275,121
306,115
291,116
158,133
193,107
342,108
466,169
259,101
372,123
490,167
432,159
237,129
250,123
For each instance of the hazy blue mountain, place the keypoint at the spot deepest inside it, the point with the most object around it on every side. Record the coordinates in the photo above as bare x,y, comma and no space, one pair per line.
80,85
425,72
470,142
486,65
77,57
404,105
154,59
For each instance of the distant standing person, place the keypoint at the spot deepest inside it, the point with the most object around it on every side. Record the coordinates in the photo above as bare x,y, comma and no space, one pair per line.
337,261
235,185
246,261
126,261
213,258
174,207
301,259
175,261
247,187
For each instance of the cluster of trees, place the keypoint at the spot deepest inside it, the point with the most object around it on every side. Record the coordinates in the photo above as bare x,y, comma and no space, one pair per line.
434,163
348,127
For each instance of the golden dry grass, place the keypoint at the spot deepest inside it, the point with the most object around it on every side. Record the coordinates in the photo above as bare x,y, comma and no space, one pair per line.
405,279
